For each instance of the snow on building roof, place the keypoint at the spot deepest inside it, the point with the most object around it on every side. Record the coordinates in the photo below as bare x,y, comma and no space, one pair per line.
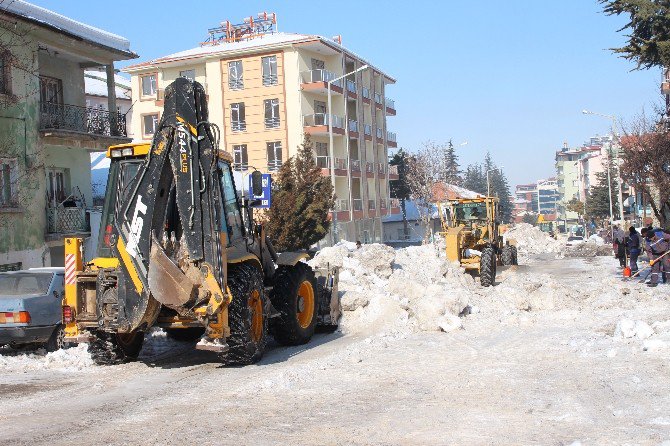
67,25
445,191
96,84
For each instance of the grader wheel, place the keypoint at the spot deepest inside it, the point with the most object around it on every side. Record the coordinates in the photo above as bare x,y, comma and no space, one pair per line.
487,269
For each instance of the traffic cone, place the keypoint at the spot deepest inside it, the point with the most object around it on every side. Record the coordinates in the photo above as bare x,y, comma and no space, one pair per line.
626,271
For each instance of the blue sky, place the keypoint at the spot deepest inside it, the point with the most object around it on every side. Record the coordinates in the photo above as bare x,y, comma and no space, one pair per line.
510,77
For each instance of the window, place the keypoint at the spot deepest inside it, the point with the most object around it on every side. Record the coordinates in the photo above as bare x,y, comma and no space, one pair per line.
269,70
319,107
271,113
235,75
241,162
321,148
5,73
148,85
51,90
274,155
56,193
237,117
8,182
149,124
318,64
188,74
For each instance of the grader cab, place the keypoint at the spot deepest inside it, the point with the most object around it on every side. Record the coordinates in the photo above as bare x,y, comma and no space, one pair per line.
471,228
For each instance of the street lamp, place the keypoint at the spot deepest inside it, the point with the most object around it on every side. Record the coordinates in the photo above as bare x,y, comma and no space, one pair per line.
488,181
331,150
616,161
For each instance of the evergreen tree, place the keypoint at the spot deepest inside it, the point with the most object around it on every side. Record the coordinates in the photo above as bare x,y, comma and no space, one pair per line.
452,172
475,179
500,189
598,201
529,218
400,188
301,201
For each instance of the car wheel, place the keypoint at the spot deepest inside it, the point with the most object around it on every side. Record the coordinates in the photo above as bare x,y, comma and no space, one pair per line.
57,339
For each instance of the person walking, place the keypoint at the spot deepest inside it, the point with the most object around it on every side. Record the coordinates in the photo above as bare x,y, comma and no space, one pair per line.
633,248
619,239
657,243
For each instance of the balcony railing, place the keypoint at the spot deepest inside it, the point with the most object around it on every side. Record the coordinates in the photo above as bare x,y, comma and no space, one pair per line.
91,120
238,126
324,162
358,204
274,165
66,220
241,167
318,119
356,165
395,203
393,170
366,92
378,98
320,76
371,205
353,125
381,168
272,123
370,167
390,136
342,204
367,129
390,103
380,133
351,86
383,204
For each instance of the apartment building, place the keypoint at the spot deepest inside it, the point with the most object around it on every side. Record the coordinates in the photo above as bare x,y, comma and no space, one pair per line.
47,131
267,90
527,194
568,180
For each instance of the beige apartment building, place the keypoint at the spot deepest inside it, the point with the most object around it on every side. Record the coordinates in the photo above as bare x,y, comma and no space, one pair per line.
267,91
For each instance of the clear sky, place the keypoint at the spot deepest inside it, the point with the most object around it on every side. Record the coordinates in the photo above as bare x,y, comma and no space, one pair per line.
511,77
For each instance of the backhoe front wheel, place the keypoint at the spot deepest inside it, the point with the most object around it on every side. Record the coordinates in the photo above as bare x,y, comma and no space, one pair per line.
294,295
487,268
247,316
115,348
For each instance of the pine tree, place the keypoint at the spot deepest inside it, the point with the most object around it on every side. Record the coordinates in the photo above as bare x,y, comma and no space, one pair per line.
301,201
598,201
500,189
400,188
475,179
452,170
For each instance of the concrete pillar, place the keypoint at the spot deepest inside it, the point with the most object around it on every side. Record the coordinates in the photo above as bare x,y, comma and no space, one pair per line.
111,101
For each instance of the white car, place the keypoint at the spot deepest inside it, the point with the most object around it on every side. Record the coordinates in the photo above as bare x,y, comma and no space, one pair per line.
574,240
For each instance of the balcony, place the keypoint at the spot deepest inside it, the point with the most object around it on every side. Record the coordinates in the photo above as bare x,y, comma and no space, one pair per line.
395,205
378,100
391,139
358,204
317,124
370,169
365,91
379,133
68,119
390,106
67,220
355,165
372,205
381,168
351,89
342,204
393,173
367,131
340,164
353,128
383,203
316,81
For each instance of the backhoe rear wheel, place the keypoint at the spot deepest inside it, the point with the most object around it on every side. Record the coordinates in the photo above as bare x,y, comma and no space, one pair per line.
507,256
294,295
247,316
487,269
115,348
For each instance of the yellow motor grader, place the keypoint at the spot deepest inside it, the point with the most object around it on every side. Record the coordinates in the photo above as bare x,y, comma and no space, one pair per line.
178,249
472,231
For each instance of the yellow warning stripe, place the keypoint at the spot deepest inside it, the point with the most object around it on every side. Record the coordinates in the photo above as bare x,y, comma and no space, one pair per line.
125,257
193,130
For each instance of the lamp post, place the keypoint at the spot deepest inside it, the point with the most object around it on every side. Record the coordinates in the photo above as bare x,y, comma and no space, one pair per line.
616,161
488,180
331,150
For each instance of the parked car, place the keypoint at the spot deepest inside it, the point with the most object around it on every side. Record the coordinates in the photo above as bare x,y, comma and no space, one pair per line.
574,240
30,307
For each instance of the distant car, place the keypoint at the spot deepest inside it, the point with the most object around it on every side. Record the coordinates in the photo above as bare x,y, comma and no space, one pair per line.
574,240
30,307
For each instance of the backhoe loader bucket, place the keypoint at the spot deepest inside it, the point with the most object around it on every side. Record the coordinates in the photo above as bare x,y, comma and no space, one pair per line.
168,284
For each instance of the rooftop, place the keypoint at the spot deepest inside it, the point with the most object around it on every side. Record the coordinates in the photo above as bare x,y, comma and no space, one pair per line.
65,25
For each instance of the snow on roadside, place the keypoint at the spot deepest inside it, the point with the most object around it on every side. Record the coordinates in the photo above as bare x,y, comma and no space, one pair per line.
402,291
74,359
530,240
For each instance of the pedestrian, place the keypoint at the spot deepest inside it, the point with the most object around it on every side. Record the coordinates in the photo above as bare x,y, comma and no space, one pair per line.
657,243
619,239
633,248
358,244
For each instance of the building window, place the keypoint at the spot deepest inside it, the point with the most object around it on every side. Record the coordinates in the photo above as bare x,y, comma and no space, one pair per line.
5,73
149,124
318,64
148,85
235,75
8,182
271,113
51,90
274,156
270,70
237,117
241,158
188,74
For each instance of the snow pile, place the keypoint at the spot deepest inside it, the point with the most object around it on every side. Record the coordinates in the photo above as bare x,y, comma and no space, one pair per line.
530,240
655,337
72,359
598,240
400,291
628,328
589,249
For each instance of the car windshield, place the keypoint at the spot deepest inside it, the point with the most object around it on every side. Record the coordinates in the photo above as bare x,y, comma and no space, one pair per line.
24,283
467,212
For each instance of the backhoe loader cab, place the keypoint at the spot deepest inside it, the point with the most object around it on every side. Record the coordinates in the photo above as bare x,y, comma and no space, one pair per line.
471,228
178,249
